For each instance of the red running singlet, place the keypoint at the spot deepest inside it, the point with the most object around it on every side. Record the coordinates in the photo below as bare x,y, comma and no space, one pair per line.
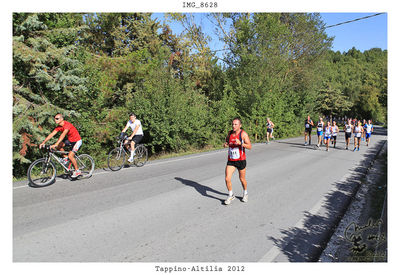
235,152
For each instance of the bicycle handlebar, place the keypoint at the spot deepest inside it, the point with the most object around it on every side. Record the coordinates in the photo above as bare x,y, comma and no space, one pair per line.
122,136
46,148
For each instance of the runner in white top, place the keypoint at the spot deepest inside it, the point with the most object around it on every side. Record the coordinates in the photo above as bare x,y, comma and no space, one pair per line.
369,128
320,129
335,131
136,136
327,135
348,129
358,130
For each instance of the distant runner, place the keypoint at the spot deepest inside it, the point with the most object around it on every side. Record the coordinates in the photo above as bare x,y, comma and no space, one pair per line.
320,130
364,124
357,136
369,129
335,131
327,135
270,129
237,141
308,124
348,129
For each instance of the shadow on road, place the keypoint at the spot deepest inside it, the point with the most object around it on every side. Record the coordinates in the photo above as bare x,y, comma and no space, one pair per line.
379,131
298,145
202,189
306,243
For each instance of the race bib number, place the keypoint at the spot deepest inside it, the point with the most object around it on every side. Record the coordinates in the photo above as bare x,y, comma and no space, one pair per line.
319,129
234,153
307,125
358,135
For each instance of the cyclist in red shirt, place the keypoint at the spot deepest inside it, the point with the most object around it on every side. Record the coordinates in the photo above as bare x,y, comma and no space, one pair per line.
237,141
70,137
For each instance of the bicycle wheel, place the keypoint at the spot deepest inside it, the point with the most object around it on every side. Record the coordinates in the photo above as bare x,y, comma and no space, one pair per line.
42,173
116,159
86,165
141,155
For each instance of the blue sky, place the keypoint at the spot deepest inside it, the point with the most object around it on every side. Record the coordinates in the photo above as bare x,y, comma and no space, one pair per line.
363,34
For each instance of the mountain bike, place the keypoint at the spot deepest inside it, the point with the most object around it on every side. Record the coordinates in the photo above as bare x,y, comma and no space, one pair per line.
116,157
42,172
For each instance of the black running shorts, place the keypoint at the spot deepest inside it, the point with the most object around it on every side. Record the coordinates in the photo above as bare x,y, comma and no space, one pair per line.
239,164
137,138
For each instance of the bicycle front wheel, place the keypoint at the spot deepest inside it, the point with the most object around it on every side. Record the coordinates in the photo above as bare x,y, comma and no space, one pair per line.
42,173
116,159
141,155
86,165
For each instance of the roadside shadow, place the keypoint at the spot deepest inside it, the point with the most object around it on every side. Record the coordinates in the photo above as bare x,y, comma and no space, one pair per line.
298,145
340,145
203,190
305,243
379,131
126,165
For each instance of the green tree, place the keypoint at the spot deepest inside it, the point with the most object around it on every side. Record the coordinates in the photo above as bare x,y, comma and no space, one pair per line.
118,34
333,102
362,78
46,79
273,63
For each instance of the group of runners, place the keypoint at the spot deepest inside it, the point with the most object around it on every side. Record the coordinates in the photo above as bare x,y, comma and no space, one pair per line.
237,142
328,133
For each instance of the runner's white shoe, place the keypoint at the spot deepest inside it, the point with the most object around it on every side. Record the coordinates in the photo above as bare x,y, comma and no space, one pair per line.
229,200
245,198
76,174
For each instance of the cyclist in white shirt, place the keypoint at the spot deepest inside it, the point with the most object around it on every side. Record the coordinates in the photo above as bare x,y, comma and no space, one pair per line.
137,133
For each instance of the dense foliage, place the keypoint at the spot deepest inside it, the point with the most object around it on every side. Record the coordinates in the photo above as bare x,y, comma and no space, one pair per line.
97,68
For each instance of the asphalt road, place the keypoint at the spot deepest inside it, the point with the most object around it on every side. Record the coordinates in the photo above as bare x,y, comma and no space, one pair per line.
172,210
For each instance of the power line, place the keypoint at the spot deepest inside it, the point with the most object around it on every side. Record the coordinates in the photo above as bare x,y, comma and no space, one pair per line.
331,26
346,22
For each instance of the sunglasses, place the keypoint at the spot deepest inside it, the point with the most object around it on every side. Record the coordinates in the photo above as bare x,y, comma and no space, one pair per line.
57,118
